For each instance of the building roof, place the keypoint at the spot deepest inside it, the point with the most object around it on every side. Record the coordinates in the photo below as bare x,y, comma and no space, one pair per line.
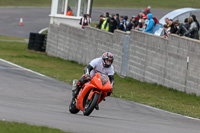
178,12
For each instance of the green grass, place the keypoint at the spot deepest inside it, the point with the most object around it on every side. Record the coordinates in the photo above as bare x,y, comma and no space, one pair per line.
11,38
53,67
155,4
14,127
126,88
25,2
45,32
93,24
157,96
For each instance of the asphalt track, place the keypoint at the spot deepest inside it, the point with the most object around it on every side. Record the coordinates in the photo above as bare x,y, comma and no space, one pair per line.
37,18
26,96
34,19
33,98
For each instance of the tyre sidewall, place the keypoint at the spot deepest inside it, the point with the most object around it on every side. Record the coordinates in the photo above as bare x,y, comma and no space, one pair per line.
90,108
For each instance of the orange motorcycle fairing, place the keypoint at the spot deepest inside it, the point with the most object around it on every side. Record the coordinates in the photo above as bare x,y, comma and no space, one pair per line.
99,84
83,92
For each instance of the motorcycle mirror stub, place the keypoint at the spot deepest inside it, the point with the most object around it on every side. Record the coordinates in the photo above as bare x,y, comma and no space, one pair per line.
75,81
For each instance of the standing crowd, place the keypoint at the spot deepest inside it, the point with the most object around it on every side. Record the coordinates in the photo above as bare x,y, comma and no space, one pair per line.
144,21
190,27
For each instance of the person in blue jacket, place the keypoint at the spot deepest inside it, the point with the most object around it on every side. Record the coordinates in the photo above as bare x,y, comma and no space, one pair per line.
150,25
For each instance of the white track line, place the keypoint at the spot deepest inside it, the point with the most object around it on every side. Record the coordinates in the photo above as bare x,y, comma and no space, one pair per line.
147,106
42,30
10,63
6,68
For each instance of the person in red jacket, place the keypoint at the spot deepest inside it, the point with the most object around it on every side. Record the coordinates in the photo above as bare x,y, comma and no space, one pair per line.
145,15
155,21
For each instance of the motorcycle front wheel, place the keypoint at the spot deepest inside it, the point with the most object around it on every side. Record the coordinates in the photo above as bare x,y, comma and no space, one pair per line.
90,104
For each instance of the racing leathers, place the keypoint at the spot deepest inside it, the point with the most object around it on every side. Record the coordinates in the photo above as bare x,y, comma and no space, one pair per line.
95,66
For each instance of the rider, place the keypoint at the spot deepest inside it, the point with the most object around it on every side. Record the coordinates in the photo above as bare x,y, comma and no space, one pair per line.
102,65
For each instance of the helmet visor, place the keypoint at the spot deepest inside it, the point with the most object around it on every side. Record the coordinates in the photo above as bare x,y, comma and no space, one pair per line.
108,62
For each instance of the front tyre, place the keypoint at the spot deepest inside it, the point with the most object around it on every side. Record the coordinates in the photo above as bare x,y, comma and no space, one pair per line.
72,107
90,104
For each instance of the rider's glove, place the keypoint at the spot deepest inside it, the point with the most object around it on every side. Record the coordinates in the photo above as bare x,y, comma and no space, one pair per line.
88,77
109,93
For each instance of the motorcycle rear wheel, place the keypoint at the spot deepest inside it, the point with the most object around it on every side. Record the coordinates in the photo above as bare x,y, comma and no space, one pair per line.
72,107
90,105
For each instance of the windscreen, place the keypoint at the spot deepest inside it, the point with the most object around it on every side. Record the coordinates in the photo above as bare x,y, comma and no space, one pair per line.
104,79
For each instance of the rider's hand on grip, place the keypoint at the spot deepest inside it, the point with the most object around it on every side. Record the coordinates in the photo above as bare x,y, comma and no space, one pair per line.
109,93
88,77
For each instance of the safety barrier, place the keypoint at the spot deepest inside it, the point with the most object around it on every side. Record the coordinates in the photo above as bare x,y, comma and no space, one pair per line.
37,42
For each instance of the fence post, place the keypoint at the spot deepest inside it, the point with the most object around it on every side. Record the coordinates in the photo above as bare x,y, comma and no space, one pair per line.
125,55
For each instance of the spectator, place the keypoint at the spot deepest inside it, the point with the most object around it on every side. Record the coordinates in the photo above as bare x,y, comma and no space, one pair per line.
100,21
123,24
141,26
173,28
141,14
183,28
186,23
155,21
147,10
113,24
150,24
170,22
193,30
84,21
121,27
118,20
89,19
106,22
176,26
146,21
137,18
132,24
145,14
196,21
69,11
166,31
167,21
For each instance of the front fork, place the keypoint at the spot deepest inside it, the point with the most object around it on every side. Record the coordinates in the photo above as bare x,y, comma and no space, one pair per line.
102,95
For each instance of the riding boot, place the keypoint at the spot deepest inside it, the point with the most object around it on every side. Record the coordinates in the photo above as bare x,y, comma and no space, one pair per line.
77,91
97,107
84,79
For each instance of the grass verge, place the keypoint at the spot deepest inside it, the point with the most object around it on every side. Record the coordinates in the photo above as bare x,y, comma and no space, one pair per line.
155,4
25,3
12,38
93,24
127,88
14,127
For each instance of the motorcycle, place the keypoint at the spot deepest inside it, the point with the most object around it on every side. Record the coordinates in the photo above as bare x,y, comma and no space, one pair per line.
91,94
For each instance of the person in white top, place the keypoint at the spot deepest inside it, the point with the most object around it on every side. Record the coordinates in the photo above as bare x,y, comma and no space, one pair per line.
102,65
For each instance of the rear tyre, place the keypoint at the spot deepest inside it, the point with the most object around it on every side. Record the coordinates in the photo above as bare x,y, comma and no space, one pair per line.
91,104
72,107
